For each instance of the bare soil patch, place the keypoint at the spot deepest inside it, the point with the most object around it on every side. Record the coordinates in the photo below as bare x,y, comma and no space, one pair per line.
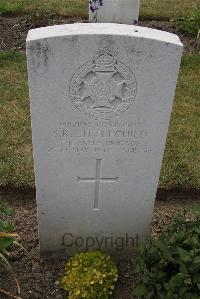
39,277
13,30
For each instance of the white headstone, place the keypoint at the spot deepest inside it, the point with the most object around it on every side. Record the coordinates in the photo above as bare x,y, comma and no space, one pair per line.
114,11
101,99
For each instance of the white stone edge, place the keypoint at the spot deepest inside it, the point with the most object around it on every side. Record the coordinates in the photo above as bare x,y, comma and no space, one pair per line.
104,29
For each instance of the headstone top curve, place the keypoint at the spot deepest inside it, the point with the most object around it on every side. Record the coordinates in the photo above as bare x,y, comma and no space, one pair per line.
102,29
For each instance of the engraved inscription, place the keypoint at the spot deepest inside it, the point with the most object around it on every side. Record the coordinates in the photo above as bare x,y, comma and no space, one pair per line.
103,88
129,137
97,180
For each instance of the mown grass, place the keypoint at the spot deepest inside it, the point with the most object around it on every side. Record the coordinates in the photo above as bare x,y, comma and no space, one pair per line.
16,168
150,9
181,165
167,8
182,156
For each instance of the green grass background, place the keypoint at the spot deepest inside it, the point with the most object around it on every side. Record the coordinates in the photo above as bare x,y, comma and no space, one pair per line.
182,156
149,8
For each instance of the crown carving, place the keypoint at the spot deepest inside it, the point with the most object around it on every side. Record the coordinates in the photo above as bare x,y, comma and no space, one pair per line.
105,63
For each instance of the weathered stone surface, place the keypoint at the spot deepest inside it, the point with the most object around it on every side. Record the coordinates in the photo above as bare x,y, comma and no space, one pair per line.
101,99
114,11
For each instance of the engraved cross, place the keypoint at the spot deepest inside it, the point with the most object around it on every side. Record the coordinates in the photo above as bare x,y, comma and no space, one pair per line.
97,180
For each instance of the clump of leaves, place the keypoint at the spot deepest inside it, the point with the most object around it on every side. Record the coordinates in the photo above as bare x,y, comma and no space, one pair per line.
89,275
169,267
190,24
7,237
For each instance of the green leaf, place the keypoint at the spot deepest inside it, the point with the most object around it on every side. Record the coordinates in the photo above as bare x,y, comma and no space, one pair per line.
196,259
183,254
177,280
153,255
188,281
171,264
139,290
163,246
161,275
5,243
196,278
195,266
183,268
183,291
196,210
138,268
6,226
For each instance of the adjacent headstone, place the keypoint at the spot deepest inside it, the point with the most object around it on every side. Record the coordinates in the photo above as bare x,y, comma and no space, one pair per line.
114,11
101,99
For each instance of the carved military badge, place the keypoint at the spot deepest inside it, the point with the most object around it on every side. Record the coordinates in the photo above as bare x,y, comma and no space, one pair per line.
103,88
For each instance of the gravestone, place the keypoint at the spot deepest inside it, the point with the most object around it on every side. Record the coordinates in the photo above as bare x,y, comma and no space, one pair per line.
114,11
101,99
